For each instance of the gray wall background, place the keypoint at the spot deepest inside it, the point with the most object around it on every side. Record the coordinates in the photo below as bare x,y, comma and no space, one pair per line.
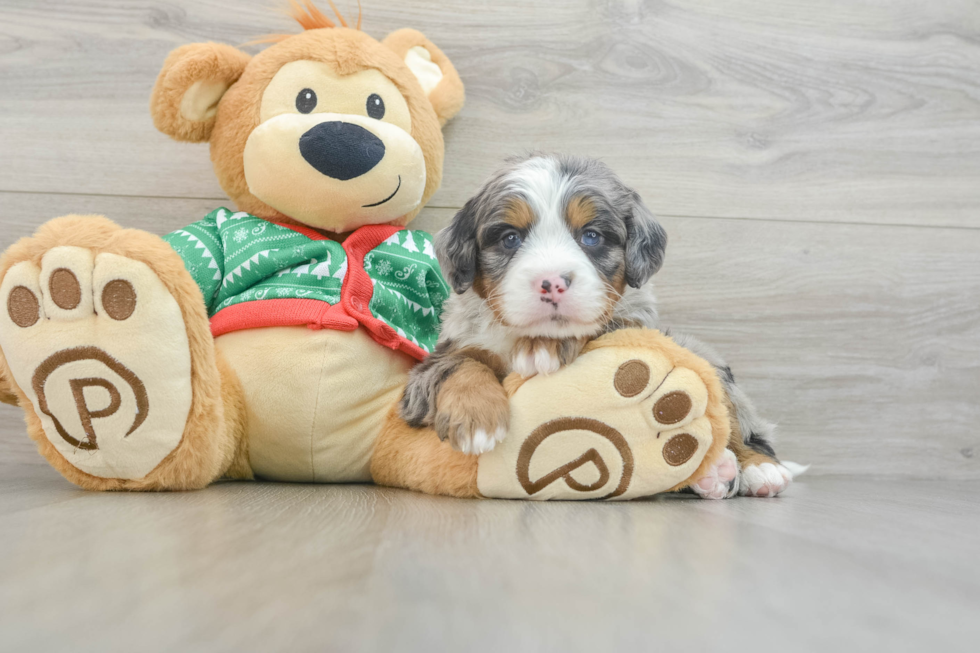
816,164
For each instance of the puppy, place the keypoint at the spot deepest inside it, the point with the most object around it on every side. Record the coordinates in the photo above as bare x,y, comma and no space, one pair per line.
551,252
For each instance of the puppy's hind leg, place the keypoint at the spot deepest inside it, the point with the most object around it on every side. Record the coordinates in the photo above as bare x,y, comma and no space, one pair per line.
762,474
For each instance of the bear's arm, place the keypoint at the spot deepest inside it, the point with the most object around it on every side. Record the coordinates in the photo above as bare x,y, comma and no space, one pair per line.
409,288
200,246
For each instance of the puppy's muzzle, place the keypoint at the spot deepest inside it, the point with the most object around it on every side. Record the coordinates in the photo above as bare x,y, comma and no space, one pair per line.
341,150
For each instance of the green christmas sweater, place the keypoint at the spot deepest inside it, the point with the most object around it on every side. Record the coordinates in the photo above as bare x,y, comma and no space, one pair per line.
256,273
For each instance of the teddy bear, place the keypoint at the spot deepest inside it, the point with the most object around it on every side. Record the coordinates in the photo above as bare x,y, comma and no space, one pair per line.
274,340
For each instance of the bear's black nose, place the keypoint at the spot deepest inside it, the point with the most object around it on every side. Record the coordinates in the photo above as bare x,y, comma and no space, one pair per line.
341,150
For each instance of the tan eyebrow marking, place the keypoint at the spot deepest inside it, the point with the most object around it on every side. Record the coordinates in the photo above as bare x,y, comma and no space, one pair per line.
579,212
518,214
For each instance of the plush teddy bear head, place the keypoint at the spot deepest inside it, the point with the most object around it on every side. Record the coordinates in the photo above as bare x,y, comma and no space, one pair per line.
328,128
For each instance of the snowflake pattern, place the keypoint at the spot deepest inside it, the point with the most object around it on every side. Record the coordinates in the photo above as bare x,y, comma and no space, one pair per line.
420,279
241,235
384,267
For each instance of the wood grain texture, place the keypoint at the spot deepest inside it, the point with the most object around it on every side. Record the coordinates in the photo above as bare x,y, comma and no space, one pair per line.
22,213
861,341
782,141
249,566
831,110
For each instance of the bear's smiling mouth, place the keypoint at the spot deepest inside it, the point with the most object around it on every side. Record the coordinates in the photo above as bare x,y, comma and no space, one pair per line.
367,206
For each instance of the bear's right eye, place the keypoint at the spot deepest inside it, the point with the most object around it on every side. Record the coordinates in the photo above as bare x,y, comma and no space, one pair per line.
306,100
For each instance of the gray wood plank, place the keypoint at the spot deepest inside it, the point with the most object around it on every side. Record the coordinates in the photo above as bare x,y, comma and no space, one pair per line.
832,110
259,566
861,341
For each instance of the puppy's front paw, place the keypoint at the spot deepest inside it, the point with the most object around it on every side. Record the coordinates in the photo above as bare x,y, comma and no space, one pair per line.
472,429
529,361
472,409
545,355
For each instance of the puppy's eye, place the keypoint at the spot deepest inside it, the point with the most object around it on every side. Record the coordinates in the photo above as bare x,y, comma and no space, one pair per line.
511,240
375,106
306,100
590,238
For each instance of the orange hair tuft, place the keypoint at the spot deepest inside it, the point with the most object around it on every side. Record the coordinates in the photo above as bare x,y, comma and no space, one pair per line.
309,17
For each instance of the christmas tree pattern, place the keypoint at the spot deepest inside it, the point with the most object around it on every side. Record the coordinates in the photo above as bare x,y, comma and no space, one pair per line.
270,262
409,289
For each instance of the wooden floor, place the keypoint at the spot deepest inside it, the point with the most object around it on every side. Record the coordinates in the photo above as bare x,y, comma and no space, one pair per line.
836,564
816,164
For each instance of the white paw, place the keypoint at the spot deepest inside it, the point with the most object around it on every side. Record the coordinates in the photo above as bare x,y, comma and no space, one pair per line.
523,364
540,360
765,480
721,481
481,441
99,346
546,361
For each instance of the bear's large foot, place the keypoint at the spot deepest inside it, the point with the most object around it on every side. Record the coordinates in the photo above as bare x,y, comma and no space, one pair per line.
98,346
634,415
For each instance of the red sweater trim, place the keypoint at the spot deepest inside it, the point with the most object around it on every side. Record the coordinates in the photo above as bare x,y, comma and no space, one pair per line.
352,311
314,313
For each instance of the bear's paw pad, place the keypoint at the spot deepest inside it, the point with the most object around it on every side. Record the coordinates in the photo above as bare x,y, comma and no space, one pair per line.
98,345
619,423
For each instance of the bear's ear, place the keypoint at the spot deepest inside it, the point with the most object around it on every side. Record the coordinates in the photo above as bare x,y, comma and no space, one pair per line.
435,72
185,97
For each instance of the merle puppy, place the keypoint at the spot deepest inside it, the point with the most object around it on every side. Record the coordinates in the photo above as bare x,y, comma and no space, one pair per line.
553,251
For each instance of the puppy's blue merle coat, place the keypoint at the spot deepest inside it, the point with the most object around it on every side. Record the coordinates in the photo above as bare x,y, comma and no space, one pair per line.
551,252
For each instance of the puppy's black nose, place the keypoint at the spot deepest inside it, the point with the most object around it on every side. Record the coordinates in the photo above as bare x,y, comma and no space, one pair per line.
341,150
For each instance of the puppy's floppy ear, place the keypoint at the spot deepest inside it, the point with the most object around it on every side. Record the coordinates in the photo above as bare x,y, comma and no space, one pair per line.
456,248
437,75
646,242
194,77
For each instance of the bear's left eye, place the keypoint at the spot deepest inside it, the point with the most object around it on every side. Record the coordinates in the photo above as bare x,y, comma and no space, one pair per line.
375,106
306,100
